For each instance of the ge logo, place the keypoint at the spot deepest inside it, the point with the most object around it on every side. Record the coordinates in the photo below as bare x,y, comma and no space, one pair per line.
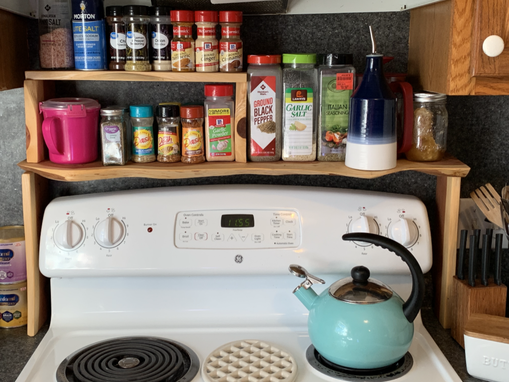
239,259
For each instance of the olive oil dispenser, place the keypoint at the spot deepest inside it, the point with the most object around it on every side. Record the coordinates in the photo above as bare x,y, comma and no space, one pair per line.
372,139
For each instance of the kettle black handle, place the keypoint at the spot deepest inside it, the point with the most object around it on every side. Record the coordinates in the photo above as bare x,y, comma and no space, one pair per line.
411,306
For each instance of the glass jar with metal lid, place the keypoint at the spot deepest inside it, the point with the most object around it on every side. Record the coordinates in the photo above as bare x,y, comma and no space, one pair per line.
430,127
115,135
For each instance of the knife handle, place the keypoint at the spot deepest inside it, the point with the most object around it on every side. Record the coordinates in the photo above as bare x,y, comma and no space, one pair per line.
484,260
471,260
461,254
498,259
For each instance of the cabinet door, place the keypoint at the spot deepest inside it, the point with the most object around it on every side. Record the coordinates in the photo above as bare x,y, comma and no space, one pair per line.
491,17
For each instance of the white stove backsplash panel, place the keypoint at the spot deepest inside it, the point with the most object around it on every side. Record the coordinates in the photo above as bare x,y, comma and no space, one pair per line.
223,230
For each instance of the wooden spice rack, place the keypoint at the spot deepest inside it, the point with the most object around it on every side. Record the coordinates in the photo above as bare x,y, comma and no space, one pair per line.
39,86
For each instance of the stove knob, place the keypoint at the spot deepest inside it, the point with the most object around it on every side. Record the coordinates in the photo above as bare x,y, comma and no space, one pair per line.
364,224
109,232
404,231
69,235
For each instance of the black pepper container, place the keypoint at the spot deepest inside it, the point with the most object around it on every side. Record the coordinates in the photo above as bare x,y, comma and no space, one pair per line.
117,37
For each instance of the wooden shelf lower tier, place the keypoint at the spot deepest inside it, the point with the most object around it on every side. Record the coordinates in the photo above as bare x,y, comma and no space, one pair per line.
94,171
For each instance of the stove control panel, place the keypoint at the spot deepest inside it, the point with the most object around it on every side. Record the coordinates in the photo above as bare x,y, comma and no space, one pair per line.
237,229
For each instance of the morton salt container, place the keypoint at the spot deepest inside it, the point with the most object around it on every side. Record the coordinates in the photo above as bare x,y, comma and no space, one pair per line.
13,305
12,255
89,35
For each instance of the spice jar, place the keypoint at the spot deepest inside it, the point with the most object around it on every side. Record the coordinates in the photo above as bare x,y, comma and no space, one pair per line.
264,111
430,127
168,145
142,121
336,81
206,50
219,122
299,120
161,38
56,49
230,46
136,21
192,134
117,42
114,135
182,45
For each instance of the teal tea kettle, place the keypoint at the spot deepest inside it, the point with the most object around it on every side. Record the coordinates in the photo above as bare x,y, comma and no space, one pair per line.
359,322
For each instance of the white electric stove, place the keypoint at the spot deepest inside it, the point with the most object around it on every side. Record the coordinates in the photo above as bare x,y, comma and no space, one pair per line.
147,285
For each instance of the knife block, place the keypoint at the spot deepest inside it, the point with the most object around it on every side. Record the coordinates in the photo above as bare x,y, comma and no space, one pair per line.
490,299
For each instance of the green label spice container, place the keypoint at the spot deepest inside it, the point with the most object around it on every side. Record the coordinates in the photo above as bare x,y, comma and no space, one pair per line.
299,117
336,77
219,122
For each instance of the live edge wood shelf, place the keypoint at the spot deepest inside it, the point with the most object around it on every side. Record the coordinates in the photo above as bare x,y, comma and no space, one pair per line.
39,86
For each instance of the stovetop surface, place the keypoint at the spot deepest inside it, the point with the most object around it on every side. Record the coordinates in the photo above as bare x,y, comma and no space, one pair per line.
429,363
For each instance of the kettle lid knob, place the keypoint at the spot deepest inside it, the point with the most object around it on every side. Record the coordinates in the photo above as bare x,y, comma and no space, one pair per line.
360,275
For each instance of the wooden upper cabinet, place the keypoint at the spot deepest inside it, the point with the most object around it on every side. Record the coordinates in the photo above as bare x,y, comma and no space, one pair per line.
446,47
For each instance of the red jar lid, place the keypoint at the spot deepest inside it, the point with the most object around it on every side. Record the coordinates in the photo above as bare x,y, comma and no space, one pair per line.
185,16
219,90
266,59
191,111
205,16
230,16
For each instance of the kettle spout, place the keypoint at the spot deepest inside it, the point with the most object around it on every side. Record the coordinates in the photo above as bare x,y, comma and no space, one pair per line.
306,296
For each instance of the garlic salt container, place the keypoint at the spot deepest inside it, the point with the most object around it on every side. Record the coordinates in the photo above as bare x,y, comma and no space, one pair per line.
487,347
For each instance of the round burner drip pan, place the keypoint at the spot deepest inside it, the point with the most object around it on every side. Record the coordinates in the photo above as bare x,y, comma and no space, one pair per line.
130,359
387,373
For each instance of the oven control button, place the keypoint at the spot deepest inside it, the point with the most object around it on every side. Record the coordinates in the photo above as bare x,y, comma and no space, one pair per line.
275,222
364,224
201,236
109,232
69,235
257,238
404,231
217,237
243,236
201,222
185,223
290,235
276,235
231,237
185,237
289,221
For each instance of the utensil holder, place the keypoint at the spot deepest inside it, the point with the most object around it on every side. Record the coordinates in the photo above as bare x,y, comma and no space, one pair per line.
490,299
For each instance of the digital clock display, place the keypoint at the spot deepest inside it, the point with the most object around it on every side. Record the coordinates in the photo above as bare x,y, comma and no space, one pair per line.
237,221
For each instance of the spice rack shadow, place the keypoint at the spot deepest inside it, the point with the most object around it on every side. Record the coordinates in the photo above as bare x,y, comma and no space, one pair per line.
39,86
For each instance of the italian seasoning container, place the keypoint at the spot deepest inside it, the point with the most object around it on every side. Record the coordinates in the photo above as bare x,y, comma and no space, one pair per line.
114,135
299,127
336,81
264,97
219,121
206,50
142,121
117,37
192,134
136,20
230,46
168,145
182,45
430,127
161,38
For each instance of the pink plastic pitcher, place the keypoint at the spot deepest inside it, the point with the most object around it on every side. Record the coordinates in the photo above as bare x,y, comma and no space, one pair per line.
70,129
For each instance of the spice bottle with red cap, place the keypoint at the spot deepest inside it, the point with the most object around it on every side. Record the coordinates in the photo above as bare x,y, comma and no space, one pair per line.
193,150
230,46
264,111
182,44
219,122
206,46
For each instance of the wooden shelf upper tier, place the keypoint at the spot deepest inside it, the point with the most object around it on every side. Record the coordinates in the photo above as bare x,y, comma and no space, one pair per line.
108,75
94,171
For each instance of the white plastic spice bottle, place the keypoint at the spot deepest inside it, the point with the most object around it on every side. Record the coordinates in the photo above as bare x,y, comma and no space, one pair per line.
264,95
219,122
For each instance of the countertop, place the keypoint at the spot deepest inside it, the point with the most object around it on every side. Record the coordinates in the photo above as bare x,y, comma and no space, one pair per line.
16,348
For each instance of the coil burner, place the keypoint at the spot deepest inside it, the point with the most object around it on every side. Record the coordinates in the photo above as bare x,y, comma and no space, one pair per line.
129,359
388,373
